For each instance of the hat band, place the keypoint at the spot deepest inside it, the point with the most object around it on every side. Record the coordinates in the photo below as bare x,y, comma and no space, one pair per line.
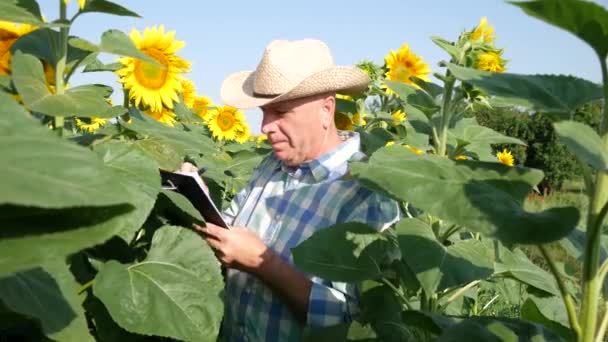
265,96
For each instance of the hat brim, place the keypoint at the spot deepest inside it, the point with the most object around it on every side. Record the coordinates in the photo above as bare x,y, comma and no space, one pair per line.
237,89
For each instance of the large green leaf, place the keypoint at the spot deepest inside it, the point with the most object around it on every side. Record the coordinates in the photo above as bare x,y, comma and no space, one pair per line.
108,7
467,130
50,295
483,197
49,172
175,292
584,143
517,265
438,267
20,11
180,140
447,46
496,329
585,19
550,312
353,331
344,252
56,233
556,94
381,308
86,100
45,44
114,42
414,97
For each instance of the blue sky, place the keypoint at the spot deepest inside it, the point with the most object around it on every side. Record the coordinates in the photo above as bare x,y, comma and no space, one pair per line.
228,36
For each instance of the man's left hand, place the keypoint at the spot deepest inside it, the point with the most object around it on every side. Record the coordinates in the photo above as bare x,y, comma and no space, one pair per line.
237,247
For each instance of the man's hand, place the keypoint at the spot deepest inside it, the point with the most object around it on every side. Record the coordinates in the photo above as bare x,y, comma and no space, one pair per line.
236,247
241,248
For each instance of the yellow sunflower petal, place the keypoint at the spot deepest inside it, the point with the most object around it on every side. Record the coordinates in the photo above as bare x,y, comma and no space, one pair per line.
505,157
403,65
149,85
225,122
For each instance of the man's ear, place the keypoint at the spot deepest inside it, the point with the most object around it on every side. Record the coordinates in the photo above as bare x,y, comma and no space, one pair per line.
327,110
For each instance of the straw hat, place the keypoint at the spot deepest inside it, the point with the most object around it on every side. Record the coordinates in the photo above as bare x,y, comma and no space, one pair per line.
290,70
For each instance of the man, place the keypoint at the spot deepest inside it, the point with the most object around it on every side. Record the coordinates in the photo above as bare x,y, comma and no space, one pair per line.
295,191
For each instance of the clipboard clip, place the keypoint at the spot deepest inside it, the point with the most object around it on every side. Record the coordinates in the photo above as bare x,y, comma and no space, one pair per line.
169,185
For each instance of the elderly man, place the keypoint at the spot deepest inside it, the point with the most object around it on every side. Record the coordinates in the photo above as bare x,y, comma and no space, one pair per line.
295,191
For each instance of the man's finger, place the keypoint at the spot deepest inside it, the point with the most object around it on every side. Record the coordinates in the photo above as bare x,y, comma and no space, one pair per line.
188,167
215,231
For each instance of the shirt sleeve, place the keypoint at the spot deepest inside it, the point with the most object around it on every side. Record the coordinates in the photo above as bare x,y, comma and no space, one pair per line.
333,303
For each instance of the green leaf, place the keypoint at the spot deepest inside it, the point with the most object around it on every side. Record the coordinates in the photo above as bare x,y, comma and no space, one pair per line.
45,44
175,292
114,42
86,100
48,172
585,19
346,106
20,11
374,139
496,329
56,233
517,265
549,312
381,308
467,193
104,6
181,206
468,130
447,46
353,331
556,94
438,267
50,295
105,327
178,139
414,97
96,65
584,143
346,252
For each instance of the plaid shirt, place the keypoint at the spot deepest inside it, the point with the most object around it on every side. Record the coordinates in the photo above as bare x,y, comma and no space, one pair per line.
285,206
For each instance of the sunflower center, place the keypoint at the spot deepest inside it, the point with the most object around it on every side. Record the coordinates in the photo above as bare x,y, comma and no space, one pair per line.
226,120
403,72
149,75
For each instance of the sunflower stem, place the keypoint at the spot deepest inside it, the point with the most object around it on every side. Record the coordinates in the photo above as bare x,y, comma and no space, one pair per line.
445,113
591,281
61,61
566,297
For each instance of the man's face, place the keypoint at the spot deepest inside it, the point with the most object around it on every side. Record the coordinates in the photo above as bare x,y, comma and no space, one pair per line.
297,129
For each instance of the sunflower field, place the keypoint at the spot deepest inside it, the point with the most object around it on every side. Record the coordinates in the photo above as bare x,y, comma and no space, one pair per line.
92,248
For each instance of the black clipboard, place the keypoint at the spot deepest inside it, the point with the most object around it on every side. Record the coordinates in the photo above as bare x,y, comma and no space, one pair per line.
188,185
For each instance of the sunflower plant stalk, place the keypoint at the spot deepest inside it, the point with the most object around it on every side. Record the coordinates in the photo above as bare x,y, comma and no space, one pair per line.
62,54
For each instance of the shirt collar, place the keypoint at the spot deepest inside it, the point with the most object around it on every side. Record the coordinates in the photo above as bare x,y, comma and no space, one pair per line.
330,164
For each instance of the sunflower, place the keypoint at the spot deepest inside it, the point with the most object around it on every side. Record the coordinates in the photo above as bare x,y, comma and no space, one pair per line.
200,107
243,133
343,122
461,157
358,120
260,139
404,64
398,116
505,157
148,84
165,116
94,124
490,61
390,143
225,122
188,92
9,33
483,30
81,3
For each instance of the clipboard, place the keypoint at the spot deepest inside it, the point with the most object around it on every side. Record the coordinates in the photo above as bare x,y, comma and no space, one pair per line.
190,185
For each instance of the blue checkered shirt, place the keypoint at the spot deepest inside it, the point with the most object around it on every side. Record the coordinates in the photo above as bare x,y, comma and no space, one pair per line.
285,206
